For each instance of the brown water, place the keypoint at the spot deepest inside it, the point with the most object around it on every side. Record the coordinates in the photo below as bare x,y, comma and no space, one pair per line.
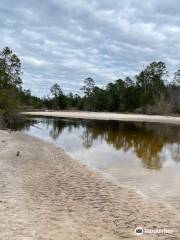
143,156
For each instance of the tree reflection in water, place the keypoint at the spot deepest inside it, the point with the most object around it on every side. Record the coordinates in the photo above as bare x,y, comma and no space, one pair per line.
146,140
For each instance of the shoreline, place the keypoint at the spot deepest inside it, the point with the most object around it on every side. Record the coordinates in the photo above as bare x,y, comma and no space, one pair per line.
44,194
108,116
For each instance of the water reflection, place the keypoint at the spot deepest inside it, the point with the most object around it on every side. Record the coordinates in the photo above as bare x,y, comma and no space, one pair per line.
150,142
21,124
142,156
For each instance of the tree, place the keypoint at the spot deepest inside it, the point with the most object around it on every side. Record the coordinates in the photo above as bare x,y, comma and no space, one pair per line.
59,100
154,75
128,82
10,82
151,83
99,99
56,90
148,90
115,94
10,69
174,93
88,87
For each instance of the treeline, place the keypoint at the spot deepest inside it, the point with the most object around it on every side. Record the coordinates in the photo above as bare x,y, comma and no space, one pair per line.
12,96
151,92
10,84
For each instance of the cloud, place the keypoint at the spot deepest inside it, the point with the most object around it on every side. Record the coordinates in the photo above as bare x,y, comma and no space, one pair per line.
66,41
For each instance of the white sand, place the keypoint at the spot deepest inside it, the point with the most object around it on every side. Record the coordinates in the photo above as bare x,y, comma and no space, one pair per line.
45,195
109,116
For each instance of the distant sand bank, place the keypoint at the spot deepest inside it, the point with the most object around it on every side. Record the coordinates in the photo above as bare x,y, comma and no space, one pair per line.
44,194
109,116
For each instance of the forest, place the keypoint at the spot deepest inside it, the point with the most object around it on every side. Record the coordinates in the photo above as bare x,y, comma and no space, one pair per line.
152,91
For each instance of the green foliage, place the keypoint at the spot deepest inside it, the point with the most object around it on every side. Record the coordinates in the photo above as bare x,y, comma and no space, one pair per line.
99,99
88,90
8,102
148,92
10,69
56,90
88,87
10,82
151,83
59,100
30,102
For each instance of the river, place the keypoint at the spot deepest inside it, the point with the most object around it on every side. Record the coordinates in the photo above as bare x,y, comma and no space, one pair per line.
142,156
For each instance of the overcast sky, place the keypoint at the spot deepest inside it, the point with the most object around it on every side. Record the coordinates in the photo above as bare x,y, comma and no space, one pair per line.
66,41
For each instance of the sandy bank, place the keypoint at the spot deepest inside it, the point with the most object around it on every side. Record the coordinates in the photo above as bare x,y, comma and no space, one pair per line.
109,116
46,195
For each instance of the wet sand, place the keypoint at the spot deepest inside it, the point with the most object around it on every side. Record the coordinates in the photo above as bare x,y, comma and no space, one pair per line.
44,194
108,116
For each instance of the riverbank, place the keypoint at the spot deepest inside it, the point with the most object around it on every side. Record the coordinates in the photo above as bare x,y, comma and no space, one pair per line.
108,116
44,194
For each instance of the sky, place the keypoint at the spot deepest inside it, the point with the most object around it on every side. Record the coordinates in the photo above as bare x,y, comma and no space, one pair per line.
66,41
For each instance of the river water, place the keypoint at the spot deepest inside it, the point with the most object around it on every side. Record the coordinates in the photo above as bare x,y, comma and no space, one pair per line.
142,156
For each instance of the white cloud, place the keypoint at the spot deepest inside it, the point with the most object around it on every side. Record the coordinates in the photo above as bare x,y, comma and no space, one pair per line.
65,41
34,61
